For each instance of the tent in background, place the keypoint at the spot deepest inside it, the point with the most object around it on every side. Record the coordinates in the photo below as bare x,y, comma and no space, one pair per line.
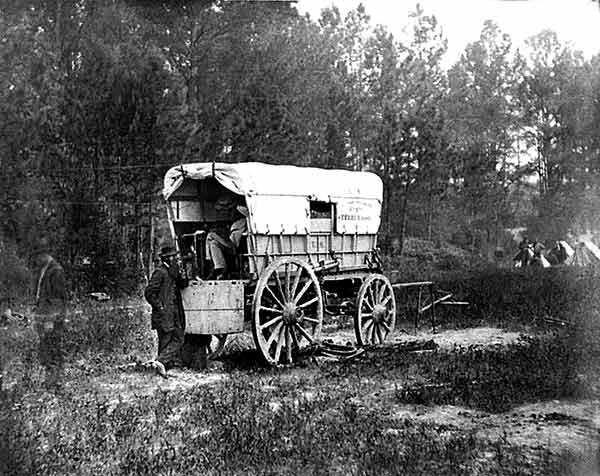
586,253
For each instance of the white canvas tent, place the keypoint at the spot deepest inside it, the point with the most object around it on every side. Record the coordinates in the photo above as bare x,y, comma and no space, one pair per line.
585,253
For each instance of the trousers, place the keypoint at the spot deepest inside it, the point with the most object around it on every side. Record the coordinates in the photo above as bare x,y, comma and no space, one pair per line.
169,347
217,249
51,348
194,354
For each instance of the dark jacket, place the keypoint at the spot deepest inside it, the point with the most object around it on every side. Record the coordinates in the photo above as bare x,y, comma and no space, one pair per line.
52,290
164,296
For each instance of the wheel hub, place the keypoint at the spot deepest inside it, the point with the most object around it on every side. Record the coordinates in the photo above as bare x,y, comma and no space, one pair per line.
379,313
290,313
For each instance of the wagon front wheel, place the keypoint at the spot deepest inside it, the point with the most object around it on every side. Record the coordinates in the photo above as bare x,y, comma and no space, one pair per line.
287,310
375,316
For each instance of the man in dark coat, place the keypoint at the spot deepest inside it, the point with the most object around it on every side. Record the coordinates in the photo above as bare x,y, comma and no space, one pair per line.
50,310
163,294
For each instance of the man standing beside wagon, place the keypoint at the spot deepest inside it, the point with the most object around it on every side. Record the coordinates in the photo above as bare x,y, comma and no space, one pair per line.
164,295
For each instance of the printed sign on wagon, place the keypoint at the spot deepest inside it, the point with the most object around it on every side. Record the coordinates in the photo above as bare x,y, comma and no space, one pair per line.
357,215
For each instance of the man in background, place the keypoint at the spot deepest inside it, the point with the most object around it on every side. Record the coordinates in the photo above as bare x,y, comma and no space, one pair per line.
558,254
163,294
49,313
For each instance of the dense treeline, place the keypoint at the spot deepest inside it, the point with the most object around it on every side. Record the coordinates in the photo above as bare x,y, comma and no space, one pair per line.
98,99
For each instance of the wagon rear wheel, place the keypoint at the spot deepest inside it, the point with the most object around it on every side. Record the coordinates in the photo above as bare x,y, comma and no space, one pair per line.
375,316
287,310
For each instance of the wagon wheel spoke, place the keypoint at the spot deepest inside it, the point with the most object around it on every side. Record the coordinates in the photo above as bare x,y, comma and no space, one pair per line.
296,281
279,286
273,321
294,337
379,335
302,291
382,292
279,346
288,344
287,282
368,305
386,300
274,335
310,319
370,294
308,303
306,335
386,326
369,328
275,298
271,309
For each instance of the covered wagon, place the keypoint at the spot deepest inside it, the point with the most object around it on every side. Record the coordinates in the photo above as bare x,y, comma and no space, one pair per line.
309,247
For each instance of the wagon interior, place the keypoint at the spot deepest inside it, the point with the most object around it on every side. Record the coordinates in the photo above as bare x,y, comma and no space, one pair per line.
194,213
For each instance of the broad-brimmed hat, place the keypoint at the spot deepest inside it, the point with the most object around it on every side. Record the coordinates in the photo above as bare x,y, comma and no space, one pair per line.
167,251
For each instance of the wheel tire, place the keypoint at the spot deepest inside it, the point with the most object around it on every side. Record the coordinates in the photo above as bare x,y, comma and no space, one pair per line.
375,316
287,310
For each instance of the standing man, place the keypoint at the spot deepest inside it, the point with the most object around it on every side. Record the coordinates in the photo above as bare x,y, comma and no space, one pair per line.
163,294
49,316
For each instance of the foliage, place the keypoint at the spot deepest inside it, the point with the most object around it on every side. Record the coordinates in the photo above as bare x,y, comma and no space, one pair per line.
15,277
99,99
425,260
528,295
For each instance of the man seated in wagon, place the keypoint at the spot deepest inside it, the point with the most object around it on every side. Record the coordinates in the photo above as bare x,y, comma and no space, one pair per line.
222,249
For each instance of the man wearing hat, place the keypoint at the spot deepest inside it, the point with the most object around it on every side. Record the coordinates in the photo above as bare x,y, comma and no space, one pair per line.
163,294
49,314
218,248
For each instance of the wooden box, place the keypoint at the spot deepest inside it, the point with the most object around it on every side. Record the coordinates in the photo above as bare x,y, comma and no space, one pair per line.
214,307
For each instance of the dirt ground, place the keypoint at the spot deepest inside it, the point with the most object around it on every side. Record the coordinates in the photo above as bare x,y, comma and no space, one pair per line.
557,424
126,383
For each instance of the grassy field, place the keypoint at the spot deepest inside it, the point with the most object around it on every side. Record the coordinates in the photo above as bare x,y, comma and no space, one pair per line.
528,406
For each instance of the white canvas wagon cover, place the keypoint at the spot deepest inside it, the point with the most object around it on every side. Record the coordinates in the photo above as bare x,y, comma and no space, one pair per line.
278,196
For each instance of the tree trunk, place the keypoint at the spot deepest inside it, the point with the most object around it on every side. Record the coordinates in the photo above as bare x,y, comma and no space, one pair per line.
430,212
403,217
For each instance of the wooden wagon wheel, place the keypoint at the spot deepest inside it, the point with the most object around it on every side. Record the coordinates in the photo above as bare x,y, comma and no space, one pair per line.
216,346
375,316
287,310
